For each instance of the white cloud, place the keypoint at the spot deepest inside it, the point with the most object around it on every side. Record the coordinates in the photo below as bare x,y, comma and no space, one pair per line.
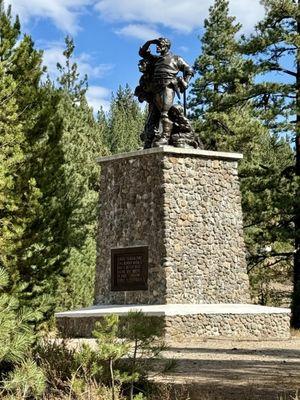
98,96
181,15
85,63
51,57
248,12
139,31
64,13
53,54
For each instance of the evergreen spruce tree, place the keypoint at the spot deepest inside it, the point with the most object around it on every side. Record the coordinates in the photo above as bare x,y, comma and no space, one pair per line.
275,49
125,122
227,119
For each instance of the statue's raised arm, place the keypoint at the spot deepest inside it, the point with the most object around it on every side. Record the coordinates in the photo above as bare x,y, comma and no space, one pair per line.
158,86
144,50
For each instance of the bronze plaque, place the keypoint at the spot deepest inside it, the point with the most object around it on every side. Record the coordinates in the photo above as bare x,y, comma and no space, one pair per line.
129,269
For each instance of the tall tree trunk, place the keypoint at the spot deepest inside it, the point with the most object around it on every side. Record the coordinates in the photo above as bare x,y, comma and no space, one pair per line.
296,293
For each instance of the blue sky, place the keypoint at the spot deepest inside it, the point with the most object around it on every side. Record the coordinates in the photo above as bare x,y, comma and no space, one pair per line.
108,33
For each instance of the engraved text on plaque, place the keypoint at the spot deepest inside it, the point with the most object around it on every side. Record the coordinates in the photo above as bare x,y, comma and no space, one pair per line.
129,268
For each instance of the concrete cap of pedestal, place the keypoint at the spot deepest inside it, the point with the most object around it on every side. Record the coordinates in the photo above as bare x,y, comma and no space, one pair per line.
174,309
174,150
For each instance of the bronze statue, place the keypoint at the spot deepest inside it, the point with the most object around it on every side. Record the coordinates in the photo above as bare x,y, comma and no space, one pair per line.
158,85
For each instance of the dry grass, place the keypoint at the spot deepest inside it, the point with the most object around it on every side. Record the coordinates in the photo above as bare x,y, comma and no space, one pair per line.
295,333
288,396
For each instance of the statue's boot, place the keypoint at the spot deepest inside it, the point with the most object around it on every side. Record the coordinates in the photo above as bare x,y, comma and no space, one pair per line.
147,144
162,139
147,137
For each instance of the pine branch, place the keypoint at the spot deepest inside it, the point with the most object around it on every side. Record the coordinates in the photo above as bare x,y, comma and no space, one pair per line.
286,71
286,257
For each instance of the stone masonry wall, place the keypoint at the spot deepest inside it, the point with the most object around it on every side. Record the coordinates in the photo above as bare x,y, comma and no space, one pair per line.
205,254
198,327
187,209
233,326
131,214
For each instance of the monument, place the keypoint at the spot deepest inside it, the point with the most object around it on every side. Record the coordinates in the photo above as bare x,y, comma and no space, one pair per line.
170,238
166,123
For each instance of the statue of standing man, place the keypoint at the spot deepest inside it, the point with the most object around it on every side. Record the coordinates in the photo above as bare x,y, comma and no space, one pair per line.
158,85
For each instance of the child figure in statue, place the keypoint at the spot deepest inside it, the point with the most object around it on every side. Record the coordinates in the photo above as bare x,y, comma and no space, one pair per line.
183,134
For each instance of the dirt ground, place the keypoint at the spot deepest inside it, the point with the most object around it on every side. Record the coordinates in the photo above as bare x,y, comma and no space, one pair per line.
231,370
243,370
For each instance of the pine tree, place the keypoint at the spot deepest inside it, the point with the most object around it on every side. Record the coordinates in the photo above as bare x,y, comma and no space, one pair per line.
125,122
16,335
227,119
110,348
24,63
9,32
30,280
80,142
19,195
49,177
47,233
103,127
69,78
12,140
16,339
222,77
277,40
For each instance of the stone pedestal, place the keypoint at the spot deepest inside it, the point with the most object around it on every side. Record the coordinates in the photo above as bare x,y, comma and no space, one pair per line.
174,217
185,206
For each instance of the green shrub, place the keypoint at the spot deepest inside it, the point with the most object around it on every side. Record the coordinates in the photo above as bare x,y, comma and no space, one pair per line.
27,379
21,377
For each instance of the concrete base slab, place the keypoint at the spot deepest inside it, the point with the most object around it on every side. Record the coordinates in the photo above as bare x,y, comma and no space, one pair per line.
195,321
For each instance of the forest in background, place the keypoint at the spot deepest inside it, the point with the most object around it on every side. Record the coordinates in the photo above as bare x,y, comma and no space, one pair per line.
245,97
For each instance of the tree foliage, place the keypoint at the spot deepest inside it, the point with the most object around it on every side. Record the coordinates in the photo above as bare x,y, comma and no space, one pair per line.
70,186
274,48
125,122
228,118
19,75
